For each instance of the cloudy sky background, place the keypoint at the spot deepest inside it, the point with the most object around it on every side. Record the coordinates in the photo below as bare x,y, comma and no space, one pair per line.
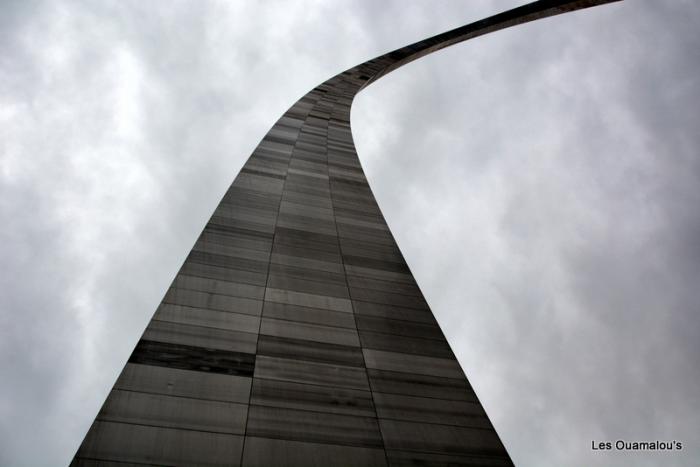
543,183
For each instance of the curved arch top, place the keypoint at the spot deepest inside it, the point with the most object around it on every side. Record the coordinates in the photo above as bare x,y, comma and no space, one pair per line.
294,334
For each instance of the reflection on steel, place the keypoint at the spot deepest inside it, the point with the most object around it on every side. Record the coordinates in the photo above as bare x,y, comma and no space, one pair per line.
294,334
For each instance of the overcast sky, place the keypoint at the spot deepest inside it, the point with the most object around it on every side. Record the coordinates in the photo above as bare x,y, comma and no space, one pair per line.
543,183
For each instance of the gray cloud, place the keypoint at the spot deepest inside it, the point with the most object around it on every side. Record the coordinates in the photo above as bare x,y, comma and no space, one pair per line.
541,182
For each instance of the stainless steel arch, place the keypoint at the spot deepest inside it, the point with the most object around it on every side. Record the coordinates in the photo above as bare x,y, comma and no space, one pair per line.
294,333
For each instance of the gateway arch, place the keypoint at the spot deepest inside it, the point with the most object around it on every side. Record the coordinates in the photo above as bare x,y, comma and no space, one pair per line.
295,334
